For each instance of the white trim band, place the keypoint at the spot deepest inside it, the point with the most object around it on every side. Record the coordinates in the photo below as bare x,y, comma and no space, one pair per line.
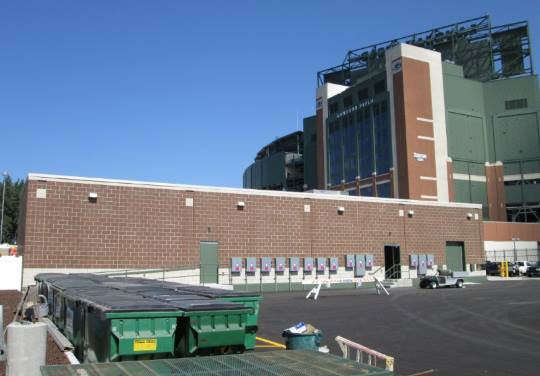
424,120
479,178
428,178
525,177
427,138
240,191
428,197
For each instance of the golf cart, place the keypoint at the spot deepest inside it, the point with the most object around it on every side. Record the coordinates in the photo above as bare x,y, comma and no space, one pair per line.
436,281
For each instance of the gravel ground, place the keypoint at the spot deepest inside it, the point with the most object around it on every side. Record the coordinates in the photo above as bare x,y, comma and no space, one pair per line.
9,299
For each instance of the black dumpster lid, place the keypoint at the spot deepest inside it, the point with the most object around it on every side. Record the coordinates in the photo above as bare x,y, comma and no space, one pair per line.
67,283
121,285
168,298
156,291
204,305
93,277
113,304
111,300
96,290
46,277
212,292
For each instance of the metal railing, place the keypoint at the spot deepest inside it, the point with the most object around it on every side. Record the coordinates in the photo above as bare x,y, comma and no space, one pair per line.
169,273
395,272
363,354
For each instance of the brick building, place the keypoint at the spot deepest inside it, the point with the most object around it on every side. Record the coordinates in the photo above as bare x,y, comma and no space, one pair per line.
447,114
71,223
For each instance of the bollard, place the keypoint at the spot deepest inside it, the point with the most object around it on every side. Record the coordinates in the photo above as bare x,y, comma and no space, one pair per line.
26,346
2,344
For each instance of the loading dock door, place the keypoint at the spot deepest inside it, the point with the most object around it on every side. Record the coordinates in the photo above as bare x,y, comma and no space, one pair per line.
209,262
455,256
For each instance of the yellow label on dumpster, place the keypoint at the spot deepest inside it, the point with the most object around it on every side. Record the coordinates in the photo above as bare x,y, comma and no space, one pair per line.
147,344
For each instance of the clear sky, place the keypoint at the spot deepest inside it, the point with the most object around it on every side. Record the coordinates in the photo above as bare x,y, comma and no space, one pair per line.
184,91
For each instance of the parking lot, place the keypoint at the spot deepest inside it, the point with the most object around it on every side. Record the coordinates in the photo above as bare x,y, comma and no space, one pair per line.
484,329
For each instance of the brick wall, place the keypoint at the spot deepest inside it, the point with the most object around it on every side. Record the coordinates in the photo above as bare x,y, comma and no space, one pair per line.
144,226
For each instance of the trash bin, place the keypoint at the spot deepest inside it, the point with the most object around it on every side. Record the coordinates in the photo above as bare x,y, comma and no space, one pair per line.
248,299
301,341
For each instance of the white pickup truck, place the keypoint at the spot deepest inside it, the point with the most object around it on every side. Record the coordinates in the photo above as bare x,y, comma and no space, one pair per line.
522,266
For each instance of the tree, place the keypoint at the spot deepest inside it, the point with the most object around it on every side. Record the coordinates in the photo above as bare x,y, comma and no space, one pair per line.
12,199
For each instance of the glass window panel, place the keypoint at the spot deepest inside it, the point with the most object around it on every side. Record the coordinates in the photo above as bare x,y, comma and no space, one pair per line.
383,138
383,190
365,143
349,150
366,191
335,160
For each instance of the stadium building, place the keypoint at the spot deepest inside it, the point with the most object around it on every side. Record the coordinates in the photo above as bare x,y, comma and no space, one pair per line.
449,114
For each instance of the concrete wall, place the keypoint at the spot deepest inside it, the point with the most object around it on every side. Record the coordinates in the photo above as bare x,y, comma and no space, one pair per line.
152,225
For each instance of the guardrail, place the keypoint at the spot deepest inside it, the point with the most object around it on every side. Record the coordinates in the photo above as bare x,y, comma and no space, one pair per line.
363,354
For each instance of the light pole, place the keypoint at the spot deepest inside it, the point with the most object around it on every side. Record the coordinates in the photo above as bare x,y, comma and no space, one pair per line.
515,251
5,175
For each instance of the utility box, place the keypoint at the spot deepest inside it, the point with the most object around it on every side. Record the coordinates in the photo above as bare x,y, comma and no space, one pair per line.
360,265
369,261
422,264
266,264
430,263
349,262
321,264
413,261
308,264
294,264
334,264
251,264
236,265
280,264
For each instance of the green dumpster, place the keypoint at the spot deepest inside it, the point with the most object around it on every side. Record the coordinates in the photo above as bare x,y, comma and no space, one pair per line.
117,319
121,326
252,324
210,327
248,299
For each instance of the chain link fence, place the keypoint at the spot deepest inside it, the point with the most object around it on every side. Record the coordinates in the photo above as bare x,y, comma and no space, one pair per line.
498,255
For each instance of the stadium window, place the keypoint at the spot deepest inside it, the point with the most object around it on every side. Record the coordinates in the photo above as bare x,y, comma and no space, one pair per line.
363,94
379,87
383,190
366,191
365,143
334,108
347,101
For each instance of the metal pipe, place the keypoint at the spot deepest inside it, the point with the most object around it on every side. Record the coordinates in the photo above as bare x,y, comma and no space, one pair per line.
4,174
2,345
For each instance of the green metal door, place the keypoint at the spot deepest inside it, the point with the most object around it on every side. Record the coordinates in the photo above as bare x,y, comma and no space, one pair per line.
455,256
209,262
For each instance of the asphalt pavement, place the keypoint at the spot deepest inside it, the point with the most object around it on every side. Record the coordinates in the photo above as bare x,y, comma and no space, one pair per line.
483,329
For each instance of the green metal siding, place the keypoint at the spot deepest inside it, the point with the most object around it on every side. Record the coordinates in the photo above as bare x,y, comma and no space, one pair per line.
466,137
516,137
481,128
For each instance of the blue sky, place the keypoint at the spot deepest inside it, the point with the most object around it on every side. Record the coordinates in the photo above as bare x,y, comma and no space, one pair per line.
183,91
